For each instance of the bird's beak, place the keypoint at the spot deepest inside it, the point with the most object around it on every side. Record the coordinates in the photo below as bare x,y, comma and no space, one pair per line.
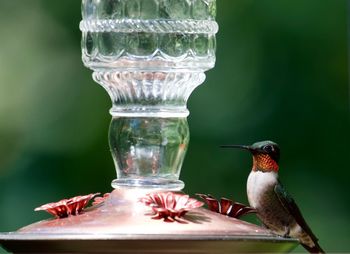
237,146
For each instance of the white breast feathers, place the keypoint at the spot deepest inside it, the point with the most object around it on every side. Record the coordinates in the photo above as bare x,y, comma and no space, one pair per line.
258,183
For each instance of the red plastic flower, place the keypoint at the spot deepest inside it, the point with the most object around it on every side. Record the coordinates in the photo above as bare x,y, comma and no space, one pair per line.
100,200
67,207
226,206
169,205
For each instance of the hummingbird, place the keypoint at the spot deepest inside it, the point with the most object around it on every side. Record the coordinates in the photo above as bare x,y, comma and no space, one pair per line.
275,208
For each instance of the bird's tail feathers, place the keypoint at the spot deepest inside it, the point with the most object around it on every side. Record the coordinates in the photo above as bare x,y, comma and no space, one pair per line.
315,249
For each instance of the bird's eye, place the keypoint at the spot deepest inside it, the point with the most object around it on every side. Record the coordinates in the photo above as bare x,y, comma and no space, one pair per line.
268,148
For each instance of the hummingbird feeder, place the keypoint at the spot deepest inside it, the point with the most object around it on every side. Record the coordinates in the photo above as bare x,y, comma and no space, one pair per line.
149,55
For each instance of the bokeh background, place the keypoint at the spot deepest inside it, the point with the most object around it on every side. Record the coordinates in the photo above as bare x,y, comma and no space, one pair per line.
281,74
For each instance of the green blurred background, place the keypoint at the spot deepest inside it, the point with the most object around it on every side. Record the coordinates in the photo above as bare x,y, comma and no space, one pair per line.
281,74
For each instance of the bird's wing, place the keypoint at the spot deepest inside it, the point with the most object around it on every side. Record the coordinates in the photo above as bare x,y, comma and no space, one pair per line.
289,204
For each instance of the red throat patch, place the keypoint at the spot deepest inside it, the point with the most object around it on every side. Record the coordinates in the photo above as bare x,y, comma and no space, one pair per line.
265,163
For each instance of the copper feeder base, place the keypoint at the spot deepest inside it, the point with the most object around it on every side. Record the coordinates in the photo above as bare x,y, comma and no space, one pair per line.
124,225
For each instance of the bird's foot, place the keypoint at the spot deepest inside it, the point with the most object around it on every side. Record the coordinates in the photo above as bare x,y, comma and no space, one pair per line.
286,232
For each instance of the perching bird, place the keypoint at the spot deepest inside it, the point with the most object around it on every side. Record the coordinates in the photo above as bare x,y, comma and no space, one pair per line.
275,207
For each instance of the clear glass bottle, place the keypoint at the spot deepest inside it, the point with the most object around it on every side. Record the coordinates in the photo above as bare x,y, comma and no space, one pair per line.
149,55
